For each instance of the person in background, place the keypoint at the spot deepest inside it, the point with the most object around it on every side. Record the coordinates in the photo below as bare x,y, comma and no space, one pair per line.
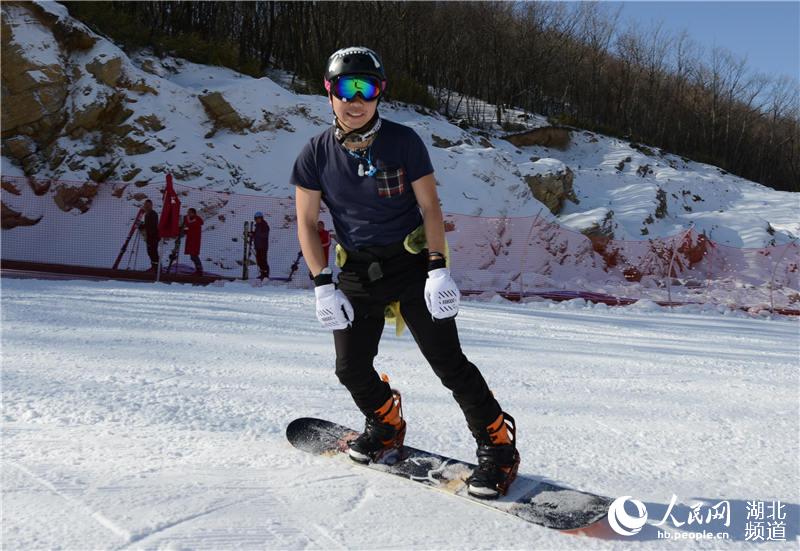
260,237
150,227
193,225
325,239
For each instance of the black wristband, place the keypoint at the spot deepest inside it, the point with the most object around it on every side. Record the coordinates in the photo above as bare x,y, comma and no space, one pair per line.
323,279
436,264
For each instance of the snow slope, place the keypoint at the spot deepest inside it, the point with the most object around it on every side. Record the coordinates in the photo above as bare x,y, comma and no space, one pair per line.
478,175
487,181
152,417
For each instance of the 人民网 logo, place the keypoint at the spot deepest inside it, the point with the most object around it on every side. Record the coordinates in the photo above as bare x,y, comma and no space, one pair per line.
624,523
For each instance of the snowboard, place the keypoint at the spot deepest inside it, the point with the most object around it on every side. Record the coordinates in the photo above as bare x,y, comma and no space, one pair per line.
176,250
530,499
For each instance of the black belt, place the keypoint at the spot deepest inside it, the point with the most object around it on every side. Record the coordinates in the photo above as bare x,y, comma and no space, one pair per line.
374,262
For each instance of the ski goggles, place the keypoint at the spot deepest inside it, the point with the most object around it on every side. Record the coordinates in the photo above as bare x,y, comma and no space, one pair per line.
346,88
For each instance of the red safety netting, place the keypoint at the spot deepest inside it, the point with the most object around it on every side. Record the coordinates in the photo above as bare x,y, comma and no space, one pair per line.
86,224
528,256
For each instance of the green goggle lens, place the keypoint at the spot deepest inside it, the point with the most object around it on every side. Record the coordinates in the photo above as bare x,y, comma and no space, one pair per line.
346,88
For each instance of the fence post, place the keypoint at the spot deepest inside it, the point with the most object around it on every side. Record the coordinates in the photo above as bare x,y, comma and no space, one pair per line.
524,257
708,260
772,277
160,254
671,261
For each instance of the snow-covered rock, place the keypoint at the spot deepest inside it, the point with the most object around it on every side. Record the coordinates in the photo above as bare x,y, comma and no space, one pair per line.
550,181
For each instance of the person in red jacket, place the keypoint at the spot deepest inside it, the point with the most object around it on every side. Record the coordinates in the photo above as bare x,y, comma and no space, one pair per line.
325,239
193,225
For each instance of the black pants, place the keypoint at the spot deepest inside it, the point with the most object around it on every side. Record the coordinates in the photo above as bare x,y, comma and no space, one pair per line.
198,266
261,260
403,279
152,251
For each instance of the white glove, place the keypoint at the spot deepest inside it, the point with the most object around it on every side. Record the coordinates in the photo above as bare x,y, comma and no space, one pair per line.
334,311
441,294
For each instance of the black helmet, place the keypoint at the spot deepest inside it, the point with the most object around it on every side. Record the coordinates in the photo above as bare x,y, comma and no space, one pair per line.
355,60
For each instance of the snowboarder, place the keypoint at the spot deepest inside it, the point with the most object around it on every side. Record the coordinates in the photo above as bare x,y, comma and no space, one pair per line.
150,227
376,178
260,237
193,225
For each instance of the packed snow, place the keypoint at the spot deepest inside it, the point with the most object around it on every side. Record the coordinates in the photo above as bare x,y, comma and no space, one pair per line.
151,416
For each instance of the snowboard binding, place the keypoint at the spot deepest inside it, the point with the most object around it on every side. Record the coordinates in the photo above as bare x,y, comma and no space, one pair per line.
383,436
498,459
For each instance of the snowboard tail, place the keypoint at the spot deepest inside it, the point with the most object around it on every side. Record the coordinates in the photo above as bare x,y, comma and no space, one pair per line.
529,499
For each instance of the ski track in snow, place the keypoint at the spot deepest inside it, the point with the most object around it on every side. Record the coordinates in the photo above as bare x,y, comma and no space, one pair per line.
140,416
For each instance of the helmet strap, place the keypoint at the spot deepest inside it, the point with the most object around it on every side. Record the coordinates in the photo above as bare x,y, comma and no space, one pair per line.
359,138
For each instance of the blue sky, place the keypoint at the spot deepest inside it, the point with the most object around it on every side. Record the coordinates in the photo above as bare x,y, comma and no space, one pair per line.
768,33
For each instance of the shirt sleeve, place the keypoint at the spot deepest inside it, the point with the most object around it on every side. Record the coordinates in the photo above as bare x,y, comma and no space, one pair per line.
305,173
418,161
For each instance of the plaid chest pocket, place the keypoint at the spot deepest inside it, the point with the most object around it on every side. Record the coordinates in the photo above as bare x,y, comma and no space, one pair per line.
391,181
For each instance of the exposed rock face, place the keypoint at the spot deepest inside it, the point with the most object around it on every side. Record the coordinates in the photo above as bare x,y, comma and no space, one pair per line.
39,187
604,229
10,188
130,174
150,122
661,200
68,198
34,88
19,147
107,113
549,136
601,236
135,147
139,86
103,172
223,114
71,36
44,93
107,72
35,82
12,219
444,142
550,182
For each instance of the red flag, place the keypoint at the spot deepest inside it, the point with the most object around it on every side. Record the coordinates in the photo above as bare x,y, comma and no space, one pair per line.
169,223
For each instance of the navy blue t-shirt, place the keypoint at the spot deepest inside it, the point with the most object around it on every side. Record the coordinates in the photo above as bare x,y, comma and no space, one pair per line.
367,210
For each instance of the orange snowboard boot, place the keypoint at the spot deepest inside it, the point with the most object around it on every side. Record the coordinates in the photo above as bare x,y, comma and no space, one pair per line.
384,432
498,459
